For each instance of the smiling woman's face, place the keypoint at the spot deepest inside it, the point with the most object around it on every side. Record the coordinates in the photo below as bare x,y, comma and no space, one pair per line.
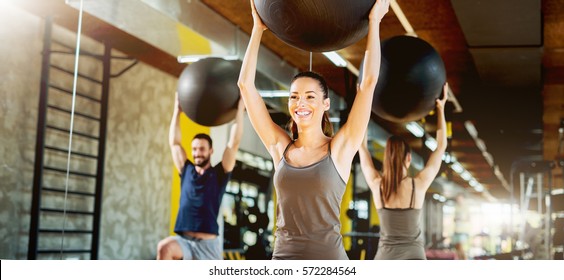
306,103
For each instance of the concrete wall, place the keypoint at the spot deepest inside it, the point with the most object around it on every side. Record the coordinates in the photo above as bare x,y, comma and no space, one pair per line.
19,85
137,177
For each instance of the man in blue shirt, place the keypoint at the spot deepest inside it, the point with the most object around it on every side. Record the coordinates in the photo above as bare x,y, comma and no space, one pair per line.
202,188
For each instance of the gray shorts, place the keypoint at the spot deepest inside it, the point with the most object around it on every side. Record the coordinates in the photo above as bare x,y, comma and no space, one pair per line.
199,249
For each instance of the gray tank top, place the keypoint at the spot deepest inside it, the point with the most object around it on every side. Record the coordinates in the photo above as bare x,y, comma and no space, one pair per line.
308,209
400,232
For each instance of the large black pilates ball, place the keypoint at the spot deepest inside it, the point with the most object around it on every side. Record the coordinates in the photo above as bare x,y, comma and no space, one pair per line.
316,25
207,91
412,76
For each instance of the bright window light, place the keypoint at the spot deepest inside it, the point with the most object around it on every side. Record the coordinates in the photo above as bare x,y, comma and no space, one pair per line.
466,175
439,197
447,158
479,188
194,58
336,59
471,129
489,158
415,129
457,167
335,119
473,183
557,191
431,143
497,171
274,93
481,145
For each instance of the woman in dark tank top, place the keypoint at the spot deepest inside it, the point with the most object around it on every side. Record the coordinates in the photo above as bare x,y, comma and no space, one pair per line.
399,198
312,166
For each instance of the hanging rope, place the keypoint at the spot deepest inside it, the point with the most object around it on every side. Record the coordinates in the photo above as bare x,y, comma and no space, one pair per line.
75,78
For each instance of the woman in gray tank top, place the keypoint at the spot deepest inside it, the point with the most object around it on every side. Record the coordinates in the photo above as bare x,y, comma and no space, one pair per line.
311,166
399,198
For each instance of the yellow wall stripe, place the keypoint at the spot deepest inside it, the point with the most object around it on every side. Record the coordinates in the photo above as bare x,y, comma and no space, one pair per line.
346,222
191,42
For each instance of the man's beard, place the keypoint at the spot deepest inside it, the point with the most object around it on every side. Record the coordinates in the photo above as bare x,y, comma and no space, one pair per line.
203,163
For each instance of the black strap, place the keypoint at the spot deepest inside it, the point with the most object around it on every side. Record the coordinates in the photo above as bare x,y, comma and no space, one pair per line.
412,193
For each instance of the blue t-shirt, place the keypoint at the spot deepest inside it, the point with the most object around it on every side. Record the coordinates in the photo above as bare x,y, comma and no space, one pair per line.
200,198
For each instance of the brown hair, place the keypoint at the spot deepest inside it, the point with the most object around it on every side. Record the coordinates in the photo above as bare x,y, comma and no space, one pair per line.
325,123
205,137
394,161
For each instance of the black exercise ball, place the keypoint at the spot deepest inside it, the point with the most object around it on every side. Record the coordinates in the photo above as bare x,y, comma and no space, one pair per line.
316,25
208,92
412,75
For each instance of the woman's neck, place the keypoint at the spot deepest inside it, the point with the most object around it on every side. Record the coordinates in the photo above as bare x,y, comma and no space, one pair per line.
311,137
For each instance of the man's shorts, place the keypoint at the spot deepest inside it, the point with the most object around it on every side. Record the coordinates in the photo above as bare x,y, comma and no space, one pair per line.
199,249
